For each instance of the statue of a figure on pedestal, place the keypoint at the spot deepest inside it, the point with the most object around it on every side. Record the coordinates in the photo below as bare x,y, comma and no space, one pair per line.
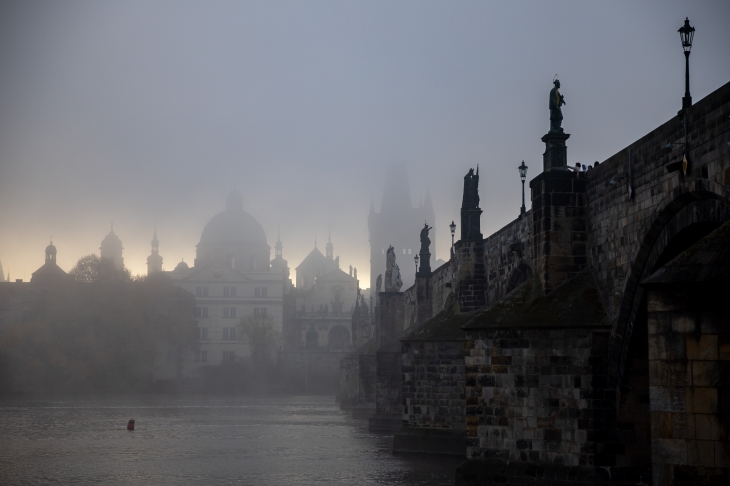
556,101
471,190
425,240
393,282
378,283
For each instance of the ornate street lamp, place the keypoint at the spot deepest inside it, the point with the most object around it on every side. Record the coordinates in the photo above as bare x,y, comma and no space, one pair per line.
687,33
452,227
415,259
523,175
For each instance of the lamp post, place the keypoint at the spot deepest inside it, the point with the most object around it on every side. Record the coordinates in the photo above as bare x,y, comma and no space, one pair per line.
523,175
415,259
686,33
452,227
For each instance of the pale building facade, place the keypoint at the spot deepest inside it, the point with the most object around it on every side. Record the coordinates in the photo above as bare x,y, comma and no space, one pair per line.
232,278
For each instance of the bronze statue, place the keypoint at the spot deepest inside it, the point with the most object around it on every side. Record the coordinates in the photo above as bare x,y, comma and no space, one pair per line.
471,190
556,101
425,241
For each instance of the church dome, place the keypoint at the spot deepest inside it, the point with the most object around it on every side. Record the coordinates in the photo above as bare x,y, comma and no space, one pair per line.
234,225
233,235
50,249
182,266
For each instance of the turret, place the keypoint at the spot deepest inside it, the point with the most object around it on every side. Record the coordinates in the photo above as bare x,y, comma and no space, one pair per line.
154,261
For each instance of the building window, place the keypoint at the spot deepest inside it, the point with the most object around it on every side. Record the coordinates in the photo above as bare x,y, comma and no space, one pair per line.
257,292
229,356
264,292
204,356
203,332
226,292
233,291
229,333
409,251
259,312
404,251
197,356
205,291
225,311
233,312
199,311
202,311
198,291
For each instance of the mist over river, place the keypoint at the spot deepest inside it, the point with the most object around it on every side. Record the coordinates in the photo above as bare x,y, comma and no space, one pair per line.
199,440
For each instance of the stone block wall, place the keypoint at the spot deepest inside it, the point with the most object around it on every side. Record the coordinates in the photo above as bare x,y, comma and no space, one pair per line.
433,384
441,286
391,317
689,363
536,395
508,257
559,226
469,275
622,232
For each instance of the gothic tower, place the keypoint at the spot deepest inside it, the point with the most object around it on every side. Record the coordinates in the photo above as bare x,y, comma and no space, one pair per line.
398,224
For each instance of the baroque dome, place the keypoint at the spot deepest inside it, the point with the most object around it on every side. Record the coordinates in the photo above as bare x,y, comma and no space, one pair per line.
233,235
234,225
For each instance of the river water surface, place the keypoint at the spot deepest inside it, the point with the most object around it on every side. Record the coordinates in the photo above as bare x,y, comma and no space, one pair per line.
258,441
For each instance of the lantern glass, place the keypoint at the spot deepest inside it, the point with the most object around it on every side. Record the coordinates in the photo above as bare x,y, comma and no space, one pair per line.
686,33
452,227
523,171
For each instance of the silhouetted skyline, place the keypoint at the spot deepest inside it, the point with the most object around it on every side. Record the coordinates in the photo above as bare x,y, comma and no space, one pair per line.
142,113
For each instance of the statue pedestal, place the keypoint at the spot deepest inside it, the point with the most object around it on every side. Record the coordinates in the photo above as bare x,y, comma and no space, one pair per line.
470,224
556,153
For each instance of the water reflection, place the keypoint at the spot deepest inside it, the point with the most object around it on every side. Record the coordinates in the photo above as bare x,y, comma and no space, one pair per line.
257,441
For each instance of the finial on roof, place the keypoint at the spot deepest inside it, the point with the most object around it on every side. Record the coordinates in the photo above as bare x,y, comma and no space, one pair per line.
315,240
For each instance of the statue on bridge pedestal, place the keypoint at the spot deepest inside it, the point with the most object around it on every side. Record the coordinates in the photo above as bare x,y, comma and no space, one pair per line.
425,252
393,282
556,101
425,240
470,200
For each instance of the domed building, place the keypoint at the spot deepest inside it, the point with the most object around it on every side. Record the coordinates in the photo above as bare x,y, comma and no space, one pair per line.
233,238
231,278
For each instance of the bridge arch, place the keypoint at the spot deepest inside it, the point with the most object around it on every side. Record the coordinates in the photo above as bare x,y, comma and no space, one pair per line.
688,204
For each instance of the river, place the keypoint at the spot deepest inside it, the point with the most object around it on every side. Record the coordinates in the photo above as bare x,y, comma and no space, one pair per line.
299,440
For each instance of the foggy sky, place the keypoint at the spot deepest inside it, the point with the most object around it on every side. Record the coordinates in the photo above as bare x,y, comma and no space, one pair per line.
139,112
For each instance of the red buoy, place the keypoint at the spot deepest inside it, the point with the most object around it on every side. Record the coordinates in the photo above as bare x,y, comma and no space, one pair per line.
130,425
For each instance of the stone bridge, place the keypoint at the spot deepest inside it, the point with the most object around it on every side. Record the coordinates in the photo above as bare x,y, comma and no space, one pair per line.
601,387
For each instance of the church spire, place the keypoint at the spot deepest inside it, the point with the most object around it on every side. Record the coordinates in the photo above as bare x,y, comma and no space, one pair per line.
278,247
154,261
329,247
